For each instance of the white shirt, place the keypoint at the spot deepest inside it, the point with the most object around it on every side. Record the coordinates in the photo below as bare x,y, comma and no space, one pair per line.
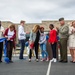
10,33
42,38
1,31
21,33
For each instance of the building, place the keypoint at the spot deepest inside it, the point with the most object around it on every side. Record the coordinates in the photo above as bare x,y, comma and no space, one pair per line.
28,26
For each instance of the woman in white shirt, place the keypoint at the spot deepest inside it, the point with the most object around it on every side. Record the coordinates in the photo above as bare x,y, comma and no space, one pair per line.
10,34
1,43
72,41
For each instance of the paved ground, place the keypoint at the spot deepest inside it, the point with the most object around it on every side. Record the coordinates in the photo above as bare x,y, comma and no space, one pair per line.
62,69
23,67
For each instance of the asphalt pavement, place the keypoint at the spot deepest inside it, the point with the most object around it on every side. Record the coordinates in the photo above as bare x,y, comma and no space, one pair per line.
23,67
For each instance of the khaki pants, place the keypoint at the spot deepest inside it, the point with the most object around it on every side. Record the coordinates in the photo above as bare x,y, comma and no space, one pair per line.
63,49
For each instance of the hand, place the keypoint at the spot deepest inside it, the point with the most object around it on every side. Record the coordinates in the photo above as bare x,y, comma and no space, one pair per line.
31,42
52,42
6,36
8,39
73,31
57,28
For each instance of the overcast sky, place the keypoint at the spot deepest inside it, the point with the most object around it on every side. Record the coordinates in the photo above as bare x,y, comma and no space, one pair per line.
34,11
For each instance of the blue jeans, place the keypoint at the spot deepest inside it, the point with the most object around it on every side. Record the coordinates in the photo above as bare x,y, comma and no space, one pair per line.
22,43
43,50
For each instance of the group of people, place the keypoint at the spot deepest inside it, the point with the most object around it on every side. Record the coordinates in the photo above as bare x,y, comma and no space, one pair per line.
66,34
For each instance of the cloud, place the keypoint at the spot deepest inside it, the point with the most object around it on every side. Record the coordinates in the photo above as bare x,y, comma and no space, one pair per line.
36,10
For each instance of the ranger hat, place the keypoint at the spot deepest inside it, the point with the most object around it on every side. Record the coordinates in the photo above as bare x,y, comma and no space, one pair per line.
60,19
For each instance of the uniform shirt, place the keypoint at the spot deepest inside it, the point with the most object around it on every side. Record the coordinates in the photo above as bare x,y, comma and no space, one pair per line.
63,31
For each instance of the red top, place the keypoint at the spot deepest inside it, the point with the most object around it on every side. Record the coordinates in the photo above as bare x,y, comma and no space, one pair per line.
6,34
52,36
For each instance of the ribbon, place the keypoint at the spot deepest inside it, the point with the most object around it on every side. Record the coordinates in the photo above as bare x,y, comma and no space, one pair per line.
4,47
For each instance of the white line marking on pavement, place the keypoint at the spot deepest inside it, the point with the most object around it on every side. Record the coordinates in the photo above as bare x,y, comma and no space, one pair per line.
49,68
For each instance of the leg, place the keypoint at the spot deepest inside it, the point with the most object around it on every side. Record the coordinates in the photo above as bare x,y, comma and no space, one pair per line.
54,50
42,52
44,49
64,49
60,43
11,48
36,50
45,52
8,49
72,53
1,49
22,43
30,54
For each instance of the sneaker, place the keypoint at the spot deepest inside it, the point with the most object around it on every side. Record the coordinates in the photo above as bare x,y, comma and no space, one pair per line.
22,58
52,60
47,59
29,60
42,59
11,61
55,60
0,61
37,60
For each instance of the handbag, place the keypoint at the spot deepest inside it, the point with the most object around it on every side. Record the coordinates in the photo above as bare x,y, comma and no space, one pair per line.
32,46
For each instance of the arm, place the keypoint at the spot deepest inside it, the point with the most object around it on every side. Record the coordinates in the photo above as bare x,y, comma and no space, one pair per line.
64,30
31,36
5,33
43,40
52,37
21,31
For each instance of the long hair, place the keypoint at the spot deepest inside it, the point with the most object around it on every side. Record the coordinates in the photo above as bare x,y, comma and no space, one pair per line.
0,24
12,26
72,23
36,28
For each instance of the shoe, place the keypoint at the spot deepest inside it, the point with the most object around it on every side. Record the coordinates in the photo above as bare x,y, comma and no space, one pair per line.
29,60
71,61
47,59
43,59
11,61
0,61
61,61
64,61
55,60
22,58
52,60
37,60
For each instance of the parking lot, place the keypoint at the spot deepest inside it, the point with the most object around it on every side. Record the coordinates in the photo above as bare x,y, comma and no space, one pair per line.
23,67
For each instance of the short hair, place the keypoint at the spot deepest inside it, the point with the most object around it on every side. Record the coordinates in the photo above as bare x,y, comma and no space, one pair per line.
22,21
0,21
12,26
60,19
51,25
41,27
